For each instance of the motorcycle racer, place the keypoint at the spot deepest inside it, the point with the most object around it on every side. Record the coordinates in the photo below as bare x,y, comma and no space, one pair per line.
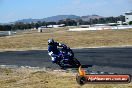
53,50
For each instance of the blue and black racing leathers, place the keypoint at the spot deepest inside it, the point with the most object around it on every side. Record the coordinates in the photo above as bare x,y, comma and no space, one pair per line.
54,52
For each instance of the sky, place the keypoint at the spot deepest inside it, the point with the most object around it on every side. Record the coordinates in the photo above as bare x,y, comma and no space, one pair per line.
13,10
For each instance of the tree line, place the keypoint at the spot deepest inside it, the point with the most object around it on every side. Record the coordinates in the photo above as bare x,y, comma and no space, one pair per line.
23,26
67,22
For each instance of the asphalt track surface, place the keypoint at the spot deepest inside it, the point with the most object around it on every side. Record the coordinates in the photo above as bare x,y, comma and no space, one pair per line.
117,60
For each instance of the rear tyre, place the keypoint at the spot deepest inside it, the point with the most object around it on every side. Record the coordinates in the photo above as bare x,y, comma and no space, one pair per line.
75,62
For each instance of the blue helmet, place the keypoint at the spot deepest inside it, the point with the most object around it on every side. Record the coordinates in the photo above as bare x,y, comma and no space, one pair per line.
50,41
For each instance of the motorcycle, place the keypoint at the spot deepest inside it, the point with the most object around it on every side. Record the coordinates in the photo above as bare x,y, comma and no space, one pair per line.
67,59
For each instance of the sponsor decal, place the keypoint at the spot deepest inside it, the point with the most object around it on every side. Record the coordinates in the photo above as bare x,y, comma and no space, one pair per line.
83,77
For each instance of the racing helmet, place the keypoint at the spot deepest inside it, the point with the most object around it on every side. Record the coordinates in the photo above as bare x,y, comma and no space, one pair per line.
50,41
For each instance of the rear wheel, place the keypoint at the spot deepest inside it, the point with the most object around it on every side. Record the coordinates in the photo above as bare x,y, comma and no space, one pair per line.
75,62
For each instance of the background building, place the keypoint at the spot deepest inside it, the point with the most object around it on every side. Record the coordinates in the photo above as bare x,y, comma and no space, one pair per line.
128,17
